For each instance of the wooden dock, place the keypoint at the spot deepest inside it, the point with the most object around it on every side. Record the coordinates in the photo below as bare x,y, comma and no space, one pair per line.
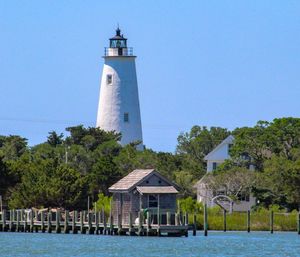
91,223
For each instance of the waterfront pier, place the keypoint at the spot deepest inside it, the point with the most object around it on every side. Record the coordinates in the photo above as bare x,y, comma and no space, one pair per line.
85,222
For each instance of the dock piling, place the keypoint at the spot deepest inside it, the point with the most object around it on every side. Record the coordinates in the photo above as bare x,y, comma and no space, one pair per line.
81,223
205,220
74,221
224,220
31,221
66,223
194,224
248,221
42,222
18,220
271,222
148,223
97,216
49,219
131,230
57,222
298,223
140,228
90,227
104,222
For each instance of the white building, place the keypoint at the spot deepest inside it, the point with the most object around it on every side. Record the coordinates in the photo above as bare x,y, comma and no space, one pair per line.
119,108
219,154
204,194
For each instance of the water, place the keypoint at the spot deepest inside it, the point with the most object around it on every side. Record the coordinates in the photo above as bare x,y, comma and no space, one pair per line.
216,244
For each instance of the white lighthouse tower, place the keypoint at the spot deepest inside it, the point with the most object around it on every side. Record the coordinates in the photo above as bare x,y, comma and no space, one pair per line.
119,108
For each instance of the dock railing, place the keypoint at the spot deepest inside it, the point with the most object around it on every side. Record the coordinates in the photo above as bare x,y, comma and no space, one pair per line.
148,223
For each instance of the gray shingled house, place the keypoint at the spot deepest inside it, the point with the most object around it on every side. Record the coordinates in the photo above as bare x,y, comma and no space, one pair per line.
144,190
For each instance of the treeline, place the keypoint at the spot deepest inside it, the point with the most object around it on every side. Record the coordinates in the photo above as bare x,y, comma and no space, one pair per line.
65,171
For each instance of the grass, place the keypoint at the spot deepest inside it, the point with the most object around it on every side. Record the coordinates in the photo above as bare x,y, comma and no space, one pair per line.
259,221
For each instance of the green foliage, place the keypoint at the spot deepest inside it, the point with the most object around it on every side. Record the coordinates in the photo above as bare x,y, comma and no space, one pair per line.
54,139
103,203
190,205
260,220
65,171
282,177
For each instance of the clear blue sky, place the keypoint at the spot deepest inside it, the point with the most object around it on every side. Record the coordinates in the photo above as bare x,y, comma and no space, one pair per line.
214,63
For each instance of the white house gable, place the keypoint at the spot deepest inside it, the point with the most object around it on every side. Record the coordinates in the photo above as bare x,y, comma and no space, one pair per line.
219,154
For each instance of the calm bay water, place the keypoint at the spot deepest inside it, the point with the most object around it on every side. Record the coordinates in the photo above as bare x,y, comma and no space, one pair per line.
216,244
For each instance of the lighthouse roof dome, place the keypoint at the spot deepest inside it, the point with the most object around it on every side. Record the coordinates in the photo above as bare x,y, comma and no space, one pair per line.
118,35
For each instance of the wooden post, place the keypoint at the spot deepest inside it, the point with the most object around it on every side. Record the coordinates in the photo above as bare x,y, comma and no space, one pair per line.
104,222
11,221
298,223
57,222
131,230
186,219
148,222
4,220
111,220
168,218
66,223
84,216
248,221
140,228
18,221
42,222
49,218
119,224
224,220
158,215
31,221
100,220
25,221
90,230
177,222
81,223
97,222
1,219
205,220
272,222
21,220
74,222
36,216
195,224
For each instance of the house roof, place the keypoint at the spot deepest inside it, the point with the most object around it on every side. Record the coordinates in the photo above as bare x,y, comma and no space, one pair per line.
203,180
135,178
130,180
156,190
227,140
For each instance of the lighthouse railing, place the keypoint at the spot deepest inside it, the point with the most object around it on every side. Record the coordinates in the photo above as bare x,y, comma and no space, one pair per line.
118,51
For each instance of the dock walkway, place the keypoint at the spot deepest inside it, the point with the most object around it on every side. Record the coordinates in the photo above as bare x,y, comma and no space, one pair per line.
90,223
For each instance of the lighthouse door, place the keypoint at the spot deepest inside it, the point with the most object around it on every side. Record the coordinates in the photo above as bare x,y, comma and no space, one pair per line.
120,51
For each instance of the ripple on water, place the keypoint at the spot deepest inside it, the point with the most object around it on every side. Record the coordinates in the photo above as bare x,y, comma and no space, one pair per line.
216,244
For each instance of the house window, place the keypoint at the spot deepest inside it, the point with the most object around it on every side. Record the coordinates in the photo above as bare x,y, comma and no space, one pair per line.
152,201
243,196
108,79
229,147
126,117
214,165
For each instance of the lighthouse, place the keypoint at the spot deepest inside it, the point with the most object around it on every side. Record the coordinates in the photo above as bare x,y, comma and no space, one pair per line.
119,108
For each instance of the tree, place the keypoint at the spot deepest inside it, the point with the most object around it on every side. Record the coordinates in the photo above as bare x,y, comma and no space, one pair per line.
235,181
13,147
54,139
281,178
196,144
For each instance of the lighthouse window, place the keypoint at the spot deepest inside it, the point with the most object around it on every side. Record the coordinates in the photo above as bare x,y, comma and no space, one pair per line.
126,117
109,79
